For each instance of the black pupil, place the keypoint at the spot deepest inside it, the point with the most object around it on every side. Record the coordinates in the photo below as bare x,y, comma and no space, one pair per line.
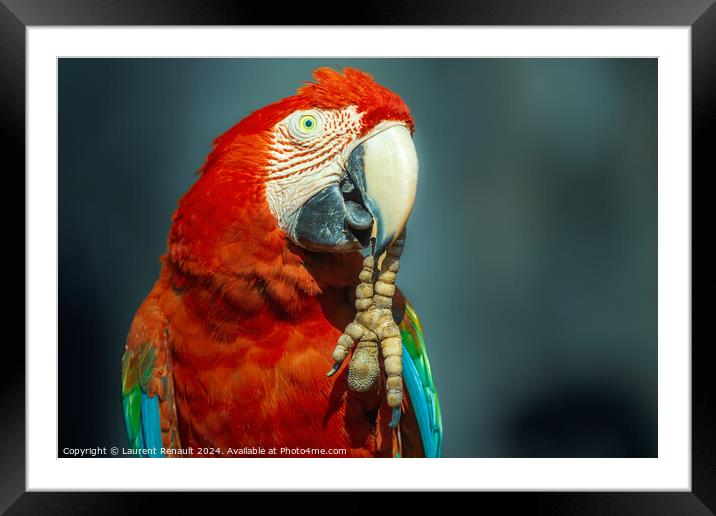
309,123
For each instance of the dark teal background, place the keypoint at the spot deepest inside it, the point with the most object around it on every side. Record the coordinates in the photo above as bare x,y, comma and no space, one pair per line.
531,256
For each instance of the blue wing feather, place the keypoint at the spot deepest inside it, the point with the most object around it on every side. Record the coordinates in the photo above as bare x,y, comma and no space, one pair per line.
421,404
419,383
150,428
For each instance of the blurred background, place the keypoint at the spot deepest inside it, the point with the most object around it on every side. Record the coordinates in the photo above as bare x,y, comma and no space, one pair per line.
532,250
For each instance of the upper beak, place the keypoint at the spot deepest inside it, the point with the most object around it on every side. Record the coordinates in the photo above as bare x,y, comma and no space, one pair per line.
372,201
385,169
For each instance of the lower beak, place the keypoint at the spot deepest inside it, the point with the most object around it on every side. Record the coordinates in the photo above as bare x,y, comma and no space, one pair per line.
385,168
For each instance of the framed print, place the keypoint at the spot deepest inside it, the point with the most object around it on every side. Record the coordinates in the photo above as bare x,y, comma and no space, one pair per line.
260,254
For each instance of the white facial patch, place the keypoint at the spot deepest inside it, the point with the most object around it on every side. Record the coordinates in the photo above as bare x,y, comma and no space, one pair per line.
306,157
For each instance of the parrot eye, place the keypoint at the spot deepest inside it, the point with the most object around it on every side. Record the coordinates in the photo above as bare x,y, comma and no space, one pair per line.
307,124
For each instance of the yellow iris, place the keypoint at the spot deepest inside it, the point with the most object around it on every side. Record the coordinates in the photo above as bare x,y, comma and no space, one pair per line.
307,124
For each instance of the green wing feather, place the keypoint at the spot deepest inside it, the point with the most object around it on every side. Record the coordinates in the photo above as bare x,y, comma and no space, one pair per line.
419,380
137,368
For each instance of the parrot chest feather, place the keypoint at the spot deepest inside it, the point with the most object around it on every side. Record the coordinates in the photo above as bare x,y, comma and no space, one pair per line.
262,383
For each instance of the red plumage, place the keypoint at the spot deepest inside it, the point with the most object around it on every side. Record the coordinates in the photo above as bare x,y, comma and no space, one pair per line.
245,322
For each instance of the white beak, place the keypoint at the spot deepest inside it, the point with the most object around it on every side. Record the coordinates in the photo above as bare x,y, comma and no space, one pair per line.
390,166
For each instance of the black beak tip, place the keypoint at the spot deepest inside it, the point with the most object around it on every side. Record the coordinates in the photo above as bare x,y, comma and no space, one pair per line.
381,244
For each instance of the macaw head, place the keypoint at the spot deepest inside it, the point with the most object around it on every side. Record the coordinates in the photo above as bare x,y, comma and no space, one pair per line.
336,162
289,193
343,169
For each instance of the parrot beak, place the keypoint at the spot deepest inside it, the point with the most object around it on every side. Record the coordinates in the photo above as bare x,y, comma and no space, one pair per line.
384,166
372,201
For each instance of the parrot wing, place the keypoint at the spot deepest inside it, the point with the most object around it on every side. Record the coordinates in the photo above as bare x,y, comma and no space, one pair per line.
147,385
419,381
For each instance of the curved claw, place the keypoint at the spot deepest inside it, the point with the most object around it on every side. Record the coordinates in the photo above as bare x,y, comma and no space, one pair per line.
396,417
335,368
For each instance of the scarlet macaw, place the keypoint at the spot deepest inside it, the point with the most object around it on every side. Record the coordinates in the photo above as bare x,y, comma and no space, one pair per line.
262,275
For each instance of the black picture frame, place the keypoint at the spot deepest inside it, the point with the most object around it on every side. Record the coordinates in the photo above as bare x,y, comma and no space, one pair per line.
17,15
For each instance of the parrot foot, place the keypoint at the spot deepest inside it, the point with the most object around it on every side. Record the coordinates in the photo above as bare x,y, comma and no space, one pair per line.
374,333
395,419
334,369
